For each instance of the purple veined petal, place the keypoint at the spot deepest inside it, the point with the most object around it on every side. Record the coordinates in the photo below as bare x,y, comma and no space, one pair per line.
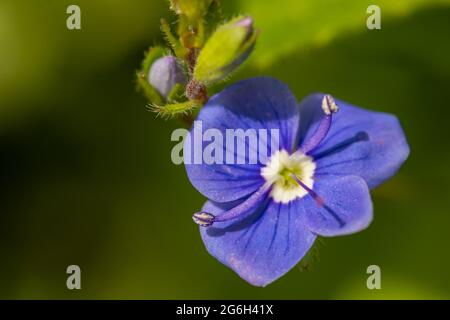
257,103
262,247
347,206
368,144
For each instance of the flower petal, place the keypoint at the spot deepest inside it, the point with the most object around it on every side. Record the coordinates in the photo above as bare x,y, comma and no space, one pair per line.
369,144
346,208
262,247
257,103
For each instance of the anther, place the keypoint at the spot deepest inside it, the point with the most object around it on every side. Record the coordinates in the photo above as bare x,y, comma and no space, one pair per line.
329,106
203,219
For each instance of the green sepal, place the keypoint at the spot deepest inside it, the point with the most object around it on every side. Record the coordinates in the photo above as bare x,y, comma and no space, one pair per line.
150,93
153,54
226,49
176,93
213,18
192,9
174,43
174,109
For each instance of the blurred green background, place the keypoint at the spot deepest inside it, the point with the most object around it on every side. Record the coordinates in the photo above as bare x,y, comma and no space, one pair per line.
85,170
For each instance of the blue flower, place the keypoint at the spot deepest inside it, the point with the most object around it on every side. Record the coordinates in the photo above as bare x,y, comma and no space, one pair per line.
261,219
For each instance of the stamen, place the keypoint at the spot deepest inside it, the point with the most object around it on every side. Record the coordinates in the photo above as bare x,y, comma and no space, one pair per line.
329,107
319,200
205,219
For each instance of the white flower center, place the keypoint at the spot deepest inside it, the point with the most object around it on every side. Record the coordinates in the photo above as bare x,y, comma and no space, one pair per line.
278,173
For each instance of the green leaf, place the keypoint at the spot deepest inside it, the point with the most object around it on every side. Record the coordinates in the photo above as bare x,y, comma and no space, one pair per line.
298,24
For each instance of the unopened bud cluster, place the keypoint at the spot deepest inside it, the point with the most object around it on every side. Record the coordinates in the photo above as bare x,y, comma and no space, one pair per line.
201,53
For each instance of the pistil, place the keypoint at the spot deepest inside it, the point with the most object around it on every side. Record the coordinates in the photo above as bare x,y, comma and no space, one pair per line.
319,200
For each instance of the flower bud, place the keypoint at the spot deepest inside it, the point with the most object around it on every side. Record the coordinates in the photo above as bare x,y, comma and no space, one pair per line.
225,50
192,9
165,73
